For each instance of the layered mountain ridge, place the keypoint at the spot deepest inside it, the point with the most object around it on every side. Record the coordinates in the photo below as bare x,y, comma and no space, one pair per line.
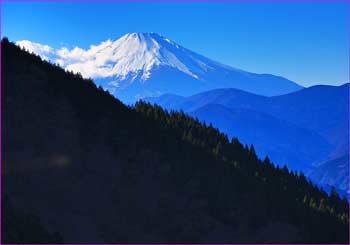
304,129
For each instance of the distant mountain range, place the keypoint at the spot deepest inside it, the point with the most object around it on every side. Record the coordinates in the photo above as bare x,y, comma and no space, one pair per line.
305,130
139,65
300,127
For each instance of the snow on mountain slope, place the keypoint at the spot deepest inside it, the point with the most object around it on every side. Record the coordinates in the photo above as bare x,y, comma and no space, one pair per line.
148,64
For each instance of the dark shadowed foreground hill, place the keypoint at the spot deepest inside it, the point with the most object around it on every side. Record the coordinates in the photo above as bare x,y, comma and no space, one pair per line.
81,167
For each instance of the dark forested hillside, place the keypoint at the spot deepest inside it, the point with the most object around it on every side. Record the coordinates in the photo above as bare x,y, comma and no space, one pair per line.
93,170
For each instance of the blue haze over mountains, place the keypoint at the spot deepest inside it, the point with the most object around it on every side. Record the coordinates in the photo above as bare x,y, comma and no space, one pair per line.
307,130
304,128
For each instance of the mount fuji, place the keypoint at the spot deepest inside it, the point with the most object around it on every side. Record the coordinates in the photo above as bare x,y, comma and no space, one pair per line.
139,65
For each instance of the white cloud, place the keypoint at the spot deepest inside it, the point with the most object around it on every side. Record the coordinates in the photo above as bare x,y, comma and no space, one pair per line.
90,63
34,47
37,48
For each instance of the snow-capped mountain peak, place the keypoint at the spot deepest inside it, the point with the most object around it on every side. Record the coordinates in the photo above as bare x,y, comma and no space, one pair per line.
138,53
138,65
132,55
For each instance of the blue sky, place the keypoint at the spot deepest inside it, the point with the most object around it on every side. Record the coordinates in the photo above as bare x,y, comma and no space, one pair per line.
305,42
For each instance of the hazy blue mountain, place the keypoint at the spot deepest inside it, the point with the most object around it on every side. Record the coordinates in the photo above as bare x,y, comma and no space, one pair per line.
229,97
283,127
282,141
323,109
332,173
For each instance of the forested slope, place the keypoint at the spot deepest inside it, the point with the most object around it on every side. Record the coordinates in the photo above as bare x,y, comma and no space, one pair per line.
95,170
